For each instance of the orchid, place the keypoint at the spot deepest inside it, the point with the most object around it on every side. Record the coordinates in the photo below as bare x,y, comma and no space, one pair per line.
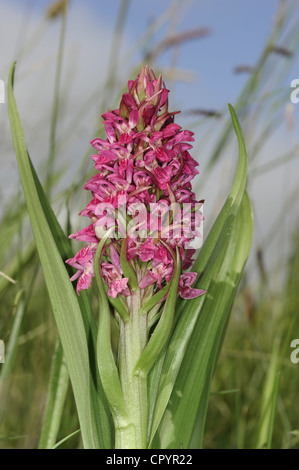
144,160
144,167
141,370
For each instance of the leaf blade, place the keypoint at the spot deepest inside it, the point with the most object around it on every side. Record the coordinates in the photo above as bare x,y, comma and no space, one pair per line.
58,385
189,397
163,329
64,302
207,265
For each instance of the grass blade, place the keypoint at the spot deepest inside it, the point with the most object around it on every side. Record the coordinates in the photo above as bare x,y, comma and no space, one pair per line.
19,308
58,386
66,308
66,438
7,366
269,400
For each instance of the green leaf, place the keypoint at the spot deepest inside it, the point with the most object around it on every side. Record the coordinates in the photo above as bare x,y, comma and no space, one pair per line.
219,269
163,329
100,410
157,297
270,394
184,419
106,363
225,218
72,315
58,386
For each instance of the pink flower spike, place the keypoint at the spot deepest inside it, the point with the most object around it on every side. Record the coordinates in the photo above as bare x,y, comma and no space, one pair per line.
143,168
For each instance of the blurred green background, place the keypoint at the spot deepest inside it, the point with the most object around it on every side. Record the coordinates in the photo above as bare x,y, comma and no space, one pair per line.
73,62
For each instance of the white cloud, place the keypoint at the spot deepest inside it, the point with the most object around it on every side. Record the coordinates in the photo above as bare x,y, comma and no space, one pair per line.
86,57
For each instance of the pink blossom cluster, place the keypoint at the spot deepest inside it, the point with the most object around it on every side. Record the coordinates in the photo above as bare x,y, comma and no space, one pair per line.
143,163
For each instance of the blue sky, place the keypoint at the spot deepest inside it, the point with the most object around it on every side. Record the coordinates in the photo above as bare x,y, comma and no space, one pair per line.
238,32
239,29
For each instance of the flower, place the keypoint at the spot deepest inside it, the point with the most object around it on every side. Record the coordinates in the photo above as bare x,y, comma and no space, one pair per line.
83,261
113,278
141,188
185,290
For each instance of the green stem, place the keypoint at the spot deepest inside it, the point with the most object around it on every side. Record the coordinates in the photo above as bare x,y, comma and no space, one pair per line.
133,338
56,101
